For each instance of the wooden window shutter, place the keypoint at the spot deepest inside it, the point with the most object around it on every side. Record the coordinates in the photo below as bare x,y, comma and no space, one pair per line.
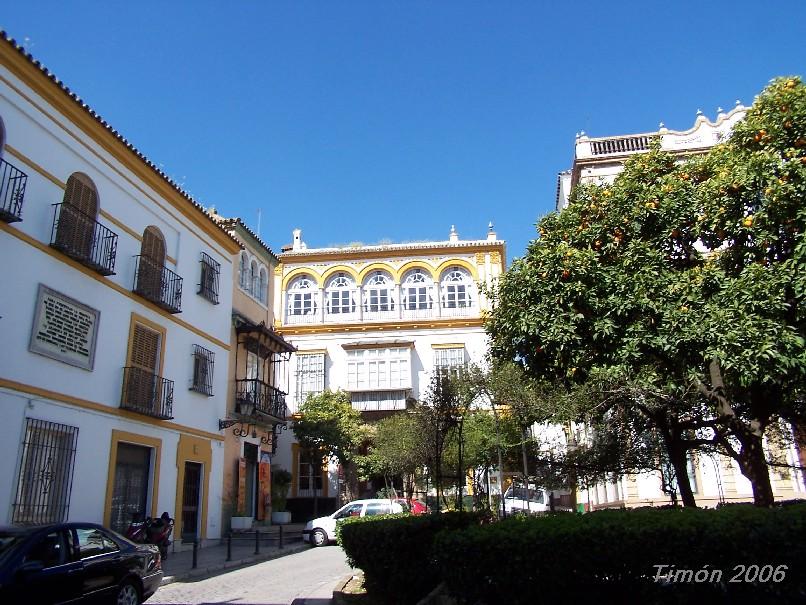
153,245
145,349
79,208
80,194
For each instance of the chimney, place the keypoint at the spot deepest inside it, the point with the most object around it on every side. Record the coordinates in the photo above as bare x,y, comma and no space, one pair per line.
454,237
298,243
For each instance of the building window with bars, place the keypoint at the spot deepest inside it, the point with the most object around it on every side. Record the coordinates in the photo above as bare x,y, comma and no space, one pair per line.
208,280
310,474
45,472
449,361
203,362
310,375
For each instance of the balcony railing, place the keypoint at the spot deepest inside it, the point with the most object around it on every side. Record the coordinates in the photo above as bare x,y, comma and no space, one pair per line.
310,318
12,192
146,393
459,309
254,397
158,284
621,145
83,238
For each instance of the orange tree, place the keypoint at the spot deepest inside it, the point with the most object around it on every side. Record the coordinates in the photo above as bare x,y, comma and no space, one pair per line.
683,281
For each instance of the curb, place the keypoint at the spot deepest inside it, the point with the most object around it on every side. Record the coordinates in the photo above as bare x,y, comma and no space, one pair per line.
339,596
201,573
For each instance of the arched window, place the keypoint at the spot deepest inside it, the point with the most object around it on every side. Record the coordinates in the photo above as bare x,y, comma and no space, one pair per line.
301,296
2,137
416,290
151,264
243,271
254,278
457,289
379,293
341,295
263,286
76,227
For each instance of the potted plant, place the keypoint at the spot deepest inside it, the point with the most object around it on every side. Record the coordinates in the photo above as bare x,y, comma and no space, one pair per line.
240,520
280,484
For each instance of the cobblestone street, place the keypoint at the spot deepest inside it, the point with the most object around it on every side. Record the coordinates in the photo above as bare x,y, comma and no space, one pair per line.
305,578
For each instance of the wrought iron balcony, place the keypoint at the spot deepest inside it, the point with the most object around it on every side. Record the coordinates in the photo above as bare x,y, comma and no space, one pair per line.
83,238
12,192
146,393
262,401
158,284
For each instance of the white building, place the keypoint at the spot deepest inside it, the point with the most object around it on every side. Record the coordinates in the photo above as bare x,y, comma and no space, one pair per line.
115,317
375,321
714,479
600,159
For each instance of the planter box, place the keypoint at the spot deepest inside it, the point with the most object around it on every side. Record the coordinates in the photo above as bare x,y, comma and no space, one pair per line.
241,523
281,518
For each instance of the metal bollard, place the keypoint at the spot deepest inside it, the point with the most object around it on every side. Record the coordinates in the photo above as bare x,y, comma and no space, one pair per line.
195,552
280,543
229,547
257,542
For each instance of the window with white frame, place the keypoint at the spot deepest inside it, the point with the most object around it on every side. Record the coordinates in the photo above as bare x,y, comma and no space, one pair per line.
416,291
309,474
449,357
301,297
341,295
457,288
378,401
243,272
263,286
310,374
379,293
254,278
381,368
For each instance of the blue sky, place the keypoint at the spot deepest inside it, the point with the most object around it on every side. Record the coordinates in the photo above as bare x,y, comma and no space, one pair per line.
370,121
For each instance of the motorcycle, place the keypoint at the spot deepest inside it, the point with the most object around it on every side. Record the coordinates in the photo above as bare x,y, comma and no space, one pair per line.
152,531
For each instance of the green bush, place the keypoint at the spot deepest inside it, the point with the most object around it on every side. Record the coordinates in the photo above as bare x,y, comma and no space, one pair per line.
609,556
395,551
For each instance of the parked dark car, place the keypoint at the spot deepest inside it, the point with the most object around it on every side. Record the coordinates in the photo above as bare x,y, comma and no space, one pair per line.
75,563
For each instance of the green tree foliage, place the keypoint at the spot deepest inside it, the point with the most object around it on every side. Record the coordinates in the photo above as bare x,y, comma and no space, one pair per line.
399,447
330,427
675,277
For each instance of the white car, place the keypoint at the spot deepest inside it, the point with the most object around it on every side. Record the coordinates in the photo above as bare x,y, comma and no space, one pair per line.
323,530
518,499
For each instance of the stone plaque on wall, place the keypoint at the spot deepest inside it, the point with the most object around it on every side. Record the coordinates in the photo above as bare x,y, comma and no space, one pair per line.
64,329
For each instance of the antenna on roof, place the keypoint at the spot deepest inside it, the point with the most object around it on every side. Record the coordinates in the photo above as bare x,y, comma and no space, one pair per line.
258,223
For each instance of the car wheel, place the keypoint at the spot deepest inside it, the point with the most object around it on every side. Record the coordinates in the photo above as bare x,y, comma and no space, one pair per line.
127,594
319,537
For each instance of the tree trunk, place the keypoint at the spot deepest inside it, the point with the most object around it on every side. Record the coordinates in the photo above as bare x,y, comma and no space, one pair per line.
753,465
679,460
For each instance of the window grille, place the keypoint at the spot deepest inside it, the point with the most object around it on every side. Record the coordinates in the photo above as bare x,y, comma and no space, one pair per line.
203,362
208,282
45,472
309,473
310,375
449,361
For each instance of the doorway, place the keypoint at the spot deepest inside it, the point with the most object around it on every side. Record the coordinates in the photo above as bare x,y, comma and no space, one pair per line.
250,454
191,498
131,488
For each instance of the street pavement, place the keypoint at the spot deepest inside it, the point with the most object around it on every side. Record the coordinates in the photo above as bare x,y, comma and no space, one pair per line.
304,578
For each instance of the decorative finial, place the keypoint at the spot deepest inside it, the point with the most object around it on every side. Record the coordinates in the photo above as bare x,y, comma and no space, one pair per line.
454,237
661,125
582,133
738,102
719,110
490,226
699,112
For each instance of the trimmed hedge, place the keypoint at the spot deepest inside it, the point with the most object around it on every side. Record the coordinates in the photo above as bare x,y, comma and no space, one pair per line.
608,556
395,552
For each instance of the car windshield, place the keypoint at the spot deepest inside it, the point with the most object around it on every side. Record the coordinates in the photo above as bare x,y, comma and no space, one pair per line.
8,540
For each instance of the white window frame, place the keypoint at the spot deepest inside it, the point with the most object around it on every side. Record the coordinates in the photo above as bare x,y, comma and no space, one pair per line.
310,375
379,293
417,286
340,295
457,289
301,297
379,369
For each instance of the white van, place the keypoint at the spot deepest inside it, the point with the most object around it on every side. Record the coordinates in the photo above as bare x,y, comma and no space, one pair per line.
518,499
323,530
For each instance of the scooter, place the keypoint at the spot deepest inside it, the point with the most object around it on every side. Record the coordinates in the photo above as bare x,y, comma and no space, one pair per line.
159,533
152,531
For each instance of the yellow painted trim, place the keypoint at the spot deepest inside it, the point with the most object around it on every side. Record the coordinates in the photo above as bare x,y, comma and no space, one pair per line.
294,330
79,117
152,442
100,278
105,409
385,267
339,269
37,168
192,449
449,345
312,352
416,264
359,254
162,330
301,271
473,269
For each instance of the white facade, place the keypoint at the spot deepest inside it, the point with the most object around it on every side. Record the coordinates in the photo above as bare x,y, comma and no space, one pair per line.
107,421
600,159
375,321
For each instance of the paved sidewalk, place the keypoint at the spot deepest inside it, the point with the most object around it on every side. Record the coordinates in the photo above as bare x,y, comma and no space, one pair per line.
213,558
